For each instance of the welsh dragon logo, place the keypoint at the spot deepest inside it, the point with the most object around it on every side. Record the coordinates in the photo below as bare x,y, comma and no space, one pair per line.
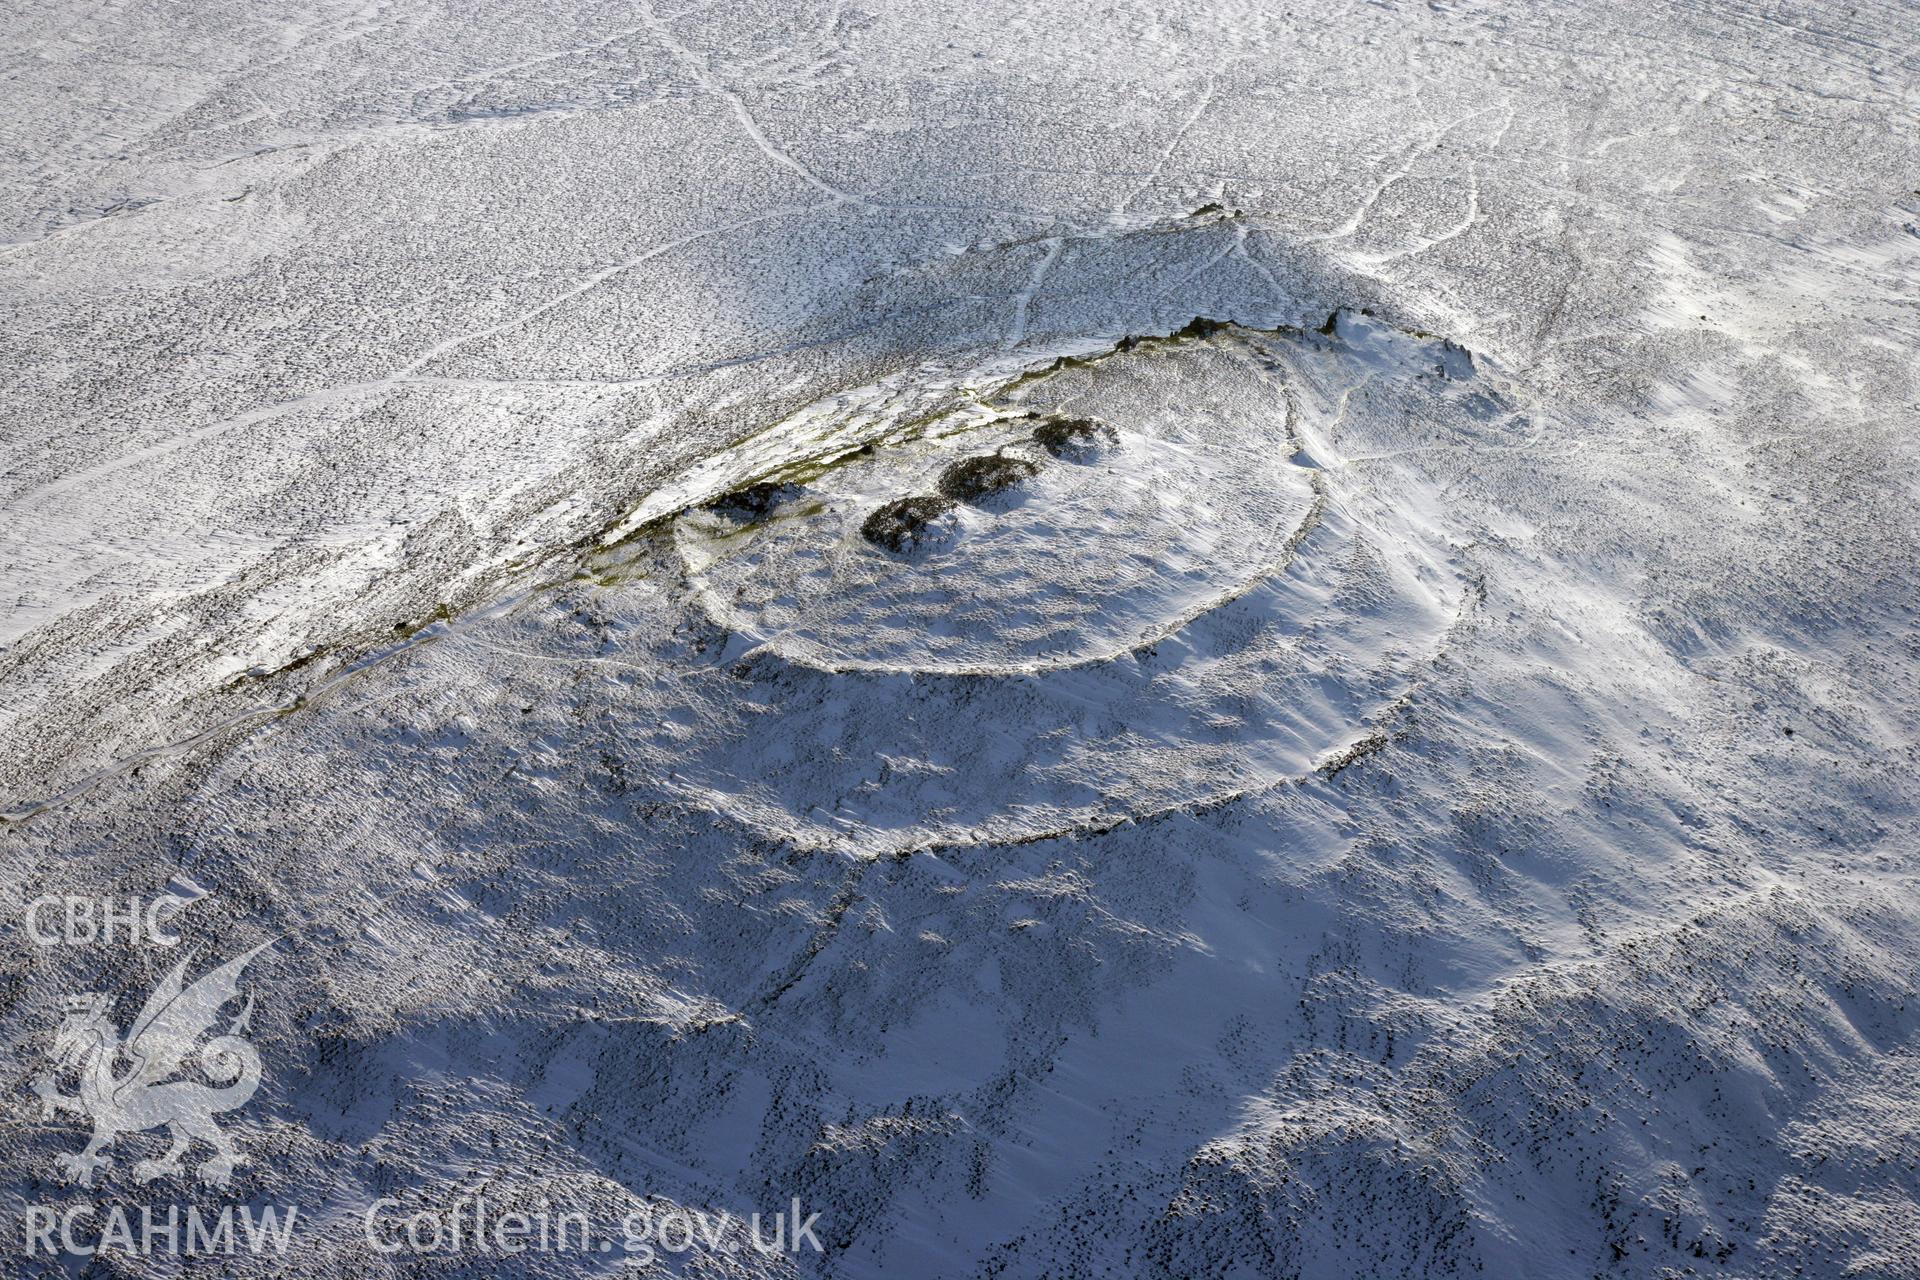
141,1094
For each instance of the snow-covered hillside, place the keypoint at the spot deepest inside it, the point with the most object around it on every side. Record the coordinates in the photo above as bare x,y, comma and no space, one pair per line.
1196,639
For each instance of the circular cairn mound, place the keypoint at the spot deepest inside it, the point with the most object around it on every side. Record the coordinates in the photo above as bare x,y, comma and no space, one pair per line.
964,547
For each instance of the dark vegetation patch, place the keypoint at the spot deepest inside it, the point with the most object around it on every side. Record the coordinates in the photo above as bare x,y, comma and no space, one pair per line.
754,501
1075,439
972,479
1198,327
902,524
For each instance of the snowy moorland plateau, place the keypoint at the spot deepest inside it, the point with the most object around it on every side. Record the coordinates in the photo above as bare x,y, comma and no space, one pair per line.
1181,639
